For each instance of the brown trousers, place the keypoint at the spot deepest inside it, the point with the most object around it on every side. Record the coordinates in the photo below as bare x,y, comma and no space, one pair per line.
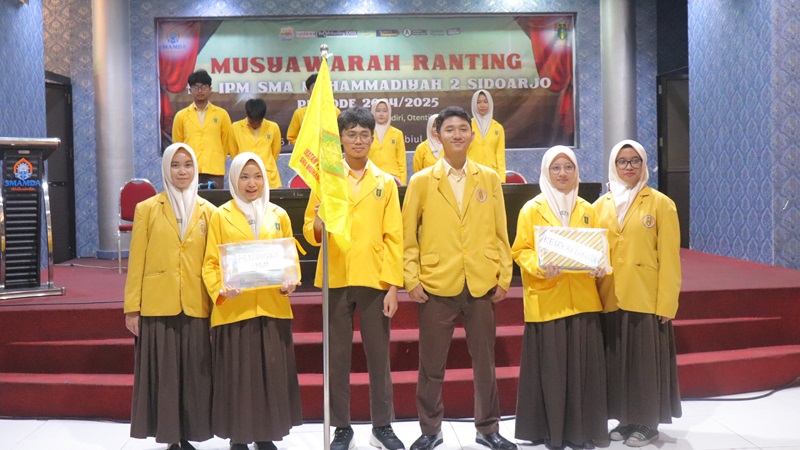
437,319
375,338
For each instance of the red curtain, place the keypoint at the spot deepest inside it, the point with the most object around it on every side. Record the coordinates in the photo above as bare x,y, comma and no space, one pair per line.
551,40
178,45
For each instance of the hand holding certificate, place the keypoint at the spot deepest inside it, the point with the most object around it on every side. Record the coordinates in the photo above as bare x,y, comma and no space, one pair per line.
257,264
573,249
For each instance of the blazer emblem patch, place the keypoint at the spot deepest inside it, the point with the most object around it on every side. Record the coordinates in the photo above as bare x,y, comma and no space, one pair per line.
377,193
203,229
648,221
480,194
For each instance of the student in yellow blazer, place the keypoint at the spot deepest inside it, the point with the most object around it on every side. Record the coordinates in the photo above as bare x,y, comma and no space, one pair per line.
260,136
562,380
300,113
364,277
489,146
167,308
256,391
388,150
429,151
457,263
205,128
640,299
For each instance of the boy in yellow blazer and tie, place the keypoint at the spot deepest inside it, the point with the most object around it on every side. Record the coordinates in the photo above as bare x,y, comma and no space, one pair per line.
457,263
366,276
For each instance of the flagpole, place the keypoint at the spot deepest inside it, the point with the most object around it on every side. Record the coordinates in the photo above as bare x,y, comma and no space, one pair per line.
326,386
326,429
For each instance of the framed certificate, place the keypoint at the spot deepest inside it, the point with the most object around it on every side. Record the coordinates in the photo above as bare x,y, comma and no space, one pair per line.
257,264
573,249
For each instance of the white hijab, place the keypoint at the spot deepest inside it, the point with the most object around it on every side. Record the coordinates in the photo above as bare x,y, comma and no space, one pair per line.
253,211
433,142
623,194
560,203
380,130
483,121
182,201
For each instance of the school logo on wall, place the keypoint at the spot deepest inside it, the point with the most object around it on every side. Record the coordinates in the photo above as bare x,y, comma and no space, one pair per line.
287,33
648,221
173,37
562,30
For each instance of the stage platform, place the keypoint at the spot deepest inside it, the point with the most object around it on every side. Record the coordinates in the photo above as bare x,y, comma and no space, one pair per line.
71,356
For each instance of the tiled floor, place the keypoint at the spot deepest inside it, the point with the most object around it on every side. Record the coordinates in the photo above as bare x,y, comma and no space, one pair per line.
769,423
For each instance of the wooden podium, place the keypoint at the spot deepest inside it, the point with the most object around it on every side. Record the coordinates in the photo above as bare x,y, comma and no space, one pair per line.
25,202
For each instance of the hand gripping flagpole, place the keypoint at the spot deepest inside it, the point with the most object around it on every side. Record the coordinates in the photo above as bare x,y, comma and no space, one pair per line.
326,386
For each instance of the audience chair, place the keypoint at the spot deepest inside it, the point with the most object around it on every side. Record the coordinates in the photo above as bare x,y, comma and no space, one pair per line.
130,195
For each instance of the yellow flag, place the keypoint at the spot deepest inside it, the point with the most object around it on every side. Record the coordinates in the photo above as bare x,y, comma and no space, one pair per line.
317,158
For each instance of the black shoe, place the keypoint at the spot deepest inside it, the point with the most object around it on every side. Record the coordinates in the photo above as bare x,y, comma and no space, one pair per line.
385,439
495,442
343,439
239,446
621,432
641,436
186,445
427,441
266,445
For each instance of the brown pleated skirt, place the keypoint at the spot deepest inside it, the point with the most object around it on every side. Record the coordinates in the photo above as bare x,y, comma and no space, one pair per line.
642,369
561,398
172,379
256,392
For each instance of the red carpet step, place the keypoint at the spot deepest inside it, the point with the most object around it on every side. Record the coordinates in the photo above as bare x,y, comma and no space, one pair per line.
71,356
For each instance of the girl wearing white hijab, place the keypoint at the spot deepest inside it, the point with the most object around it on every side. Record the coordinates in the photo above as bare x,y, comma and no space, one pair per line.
252,328
167,308
561,399
429,151
640,298
388,149
489,145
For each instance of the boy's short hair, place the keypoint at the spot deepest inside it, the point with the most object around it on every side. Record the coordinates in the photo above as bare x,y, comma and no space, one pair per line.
353,117
256,108
200,76
310,81
451,111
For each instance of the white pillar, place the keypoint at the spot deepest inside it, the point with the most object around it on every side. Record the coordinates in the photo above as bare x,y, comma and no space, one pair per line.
111,43
618,67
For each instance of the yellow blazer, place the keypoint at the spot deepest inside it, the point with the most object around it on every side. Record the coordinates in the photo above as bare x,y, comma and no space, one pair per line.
164,274
390,155
645,255
297,121
267,146
375,257
423,157
209,141
228,225
490,150
444,247
562,296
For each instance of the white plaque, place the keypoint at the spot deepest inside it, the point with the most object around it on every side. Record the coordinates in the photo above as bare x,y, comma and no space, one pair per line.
257,264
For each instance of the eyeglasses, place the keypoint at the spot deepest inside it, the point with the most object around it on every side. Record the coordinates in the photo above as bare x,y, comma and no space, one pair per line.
568,168
353,137
623,163
200,87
